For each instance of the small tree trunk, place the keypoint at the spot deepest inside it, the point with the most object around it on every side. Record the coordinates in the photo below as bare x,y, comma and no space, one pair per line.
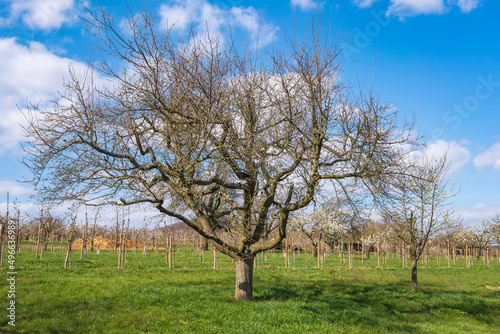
414,283
315,250
244,278
216,262
351,255
134,236
167,250
92,238
171,253
319,256
202,255
449,254
38,241
121,246
467,257
378,255
342,251
403,255
427,257
84,239
67,262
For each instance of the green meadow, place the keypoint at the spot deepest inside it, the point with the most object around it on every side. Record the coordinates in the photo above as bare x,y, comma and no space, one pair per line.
146,297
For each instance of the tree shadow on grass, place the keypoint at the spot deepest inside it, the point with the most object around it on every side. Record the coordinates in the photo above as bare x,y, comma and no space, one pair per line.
384,307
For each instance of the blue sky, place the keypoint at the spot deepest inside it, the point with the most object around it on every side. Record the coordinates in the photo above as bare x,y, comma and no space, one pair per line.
438,60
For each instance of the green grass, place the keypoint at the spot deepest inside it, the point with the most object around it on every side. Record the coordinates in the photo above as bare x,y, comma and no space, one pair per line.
146,297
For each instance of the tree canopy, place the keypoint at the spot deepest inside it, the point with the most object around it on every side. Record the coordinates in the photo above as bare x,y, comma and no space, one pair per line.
229,142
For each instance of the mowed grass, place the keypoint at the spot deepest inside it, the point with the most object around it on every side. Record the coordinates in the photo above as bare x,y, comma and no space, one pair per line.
147,297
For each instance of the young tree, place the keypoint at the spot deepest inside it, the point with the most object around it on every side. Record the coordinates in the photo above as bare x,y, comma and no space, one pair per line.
217,138
72,233
419,208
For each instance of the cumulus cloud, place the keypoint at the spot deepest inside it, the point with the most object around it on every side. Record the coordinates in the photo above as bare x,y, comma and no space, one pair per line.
202,15
24,78
489,158
308,4
457,156
179,15
466,6
404,8
42,14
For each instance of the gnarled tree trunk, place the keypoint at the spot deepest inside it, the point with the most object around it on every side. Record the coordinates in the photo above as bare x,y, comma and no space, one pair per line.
414,263
244,278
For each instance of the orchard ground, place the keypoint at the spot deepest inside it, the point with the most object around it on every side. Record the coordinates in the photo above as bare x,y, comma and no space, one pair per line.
146,297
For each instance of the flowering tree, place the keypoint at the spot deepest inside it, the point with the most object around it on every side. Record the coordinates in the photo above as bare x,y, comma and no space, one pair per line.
495,228
367,242
476,236
318,226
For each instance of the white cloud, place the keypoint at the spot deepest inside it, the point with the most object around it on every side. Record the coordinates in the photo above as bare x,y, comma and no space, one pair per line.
180,15
14,188
364,3
308,4
489,158
202,16
28,72
249,19
414,7
456,155
42,14
24,208
404,8
478,211
466,6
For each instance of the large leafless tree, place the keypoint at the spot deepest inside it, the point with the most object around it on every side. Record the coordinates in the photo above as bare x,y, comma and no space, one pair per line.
227,141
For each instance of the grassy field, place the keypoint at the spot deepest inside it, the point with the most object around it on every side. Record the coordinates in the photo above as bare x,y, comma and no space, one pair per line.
145,297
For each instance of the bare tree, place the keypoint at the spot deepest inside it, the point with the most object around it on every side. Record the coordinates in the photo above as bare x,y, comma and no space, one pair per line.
419,208
72,234
228,142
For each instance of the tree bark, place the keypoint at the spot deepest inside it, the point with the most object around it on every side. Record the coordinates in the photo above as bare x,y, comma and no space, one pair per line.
351,255
67,261
244,278
216,262
414,283
315,249
38,241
